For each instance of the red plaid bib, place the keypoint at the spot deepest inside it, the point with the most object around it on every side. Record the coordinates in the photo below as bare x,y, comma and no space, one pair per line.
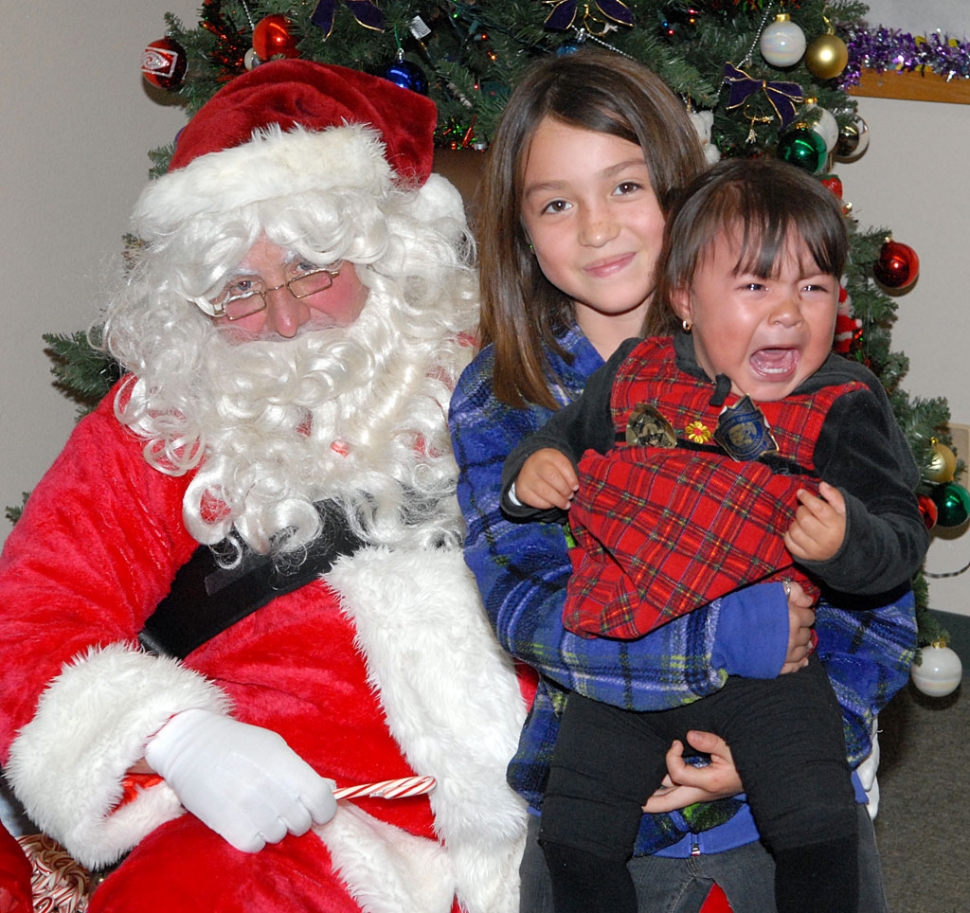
664,531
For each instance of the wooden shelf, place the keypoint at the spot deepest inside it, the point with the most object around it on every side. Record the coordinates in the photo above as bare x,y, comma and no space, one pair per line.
913,86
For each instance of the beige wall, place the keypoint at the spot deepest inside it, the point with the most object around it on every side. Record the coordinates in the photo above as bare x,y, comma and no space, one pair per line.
919,17
77,123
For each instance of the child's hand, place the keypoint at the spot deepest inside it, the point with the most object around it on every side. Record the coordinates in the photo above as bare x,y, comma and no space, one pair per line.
818,530
547,479
685,784
801,617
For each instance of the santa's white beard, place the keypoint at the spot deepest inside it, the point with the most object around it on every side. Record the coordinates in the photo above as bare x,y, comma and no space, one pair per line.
331,414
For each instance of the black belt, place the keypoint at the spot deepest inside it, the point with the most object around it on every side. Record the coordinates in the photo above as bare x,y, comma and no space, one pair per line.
205,598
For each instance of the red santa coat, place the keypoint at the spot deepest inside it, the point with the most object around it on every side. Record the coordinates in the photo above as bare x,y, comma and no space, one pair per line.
384,669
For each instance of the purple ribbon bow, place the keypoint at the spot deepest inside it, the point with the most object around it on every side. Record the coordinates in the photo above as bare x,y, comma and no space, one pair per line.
564,13
785,97
365,12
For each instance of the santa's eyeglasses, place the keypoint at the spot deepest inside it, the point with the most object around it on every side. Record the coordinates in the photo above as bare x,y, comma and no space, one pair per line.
246,295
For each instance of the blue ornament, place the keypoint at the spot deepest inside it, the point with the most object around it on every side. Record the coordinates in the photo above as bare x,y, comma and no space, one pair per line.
567,48
407,75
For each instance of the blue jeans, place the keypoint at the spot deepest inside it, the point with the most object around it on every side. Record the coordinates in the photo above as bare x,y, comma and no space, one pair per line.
665,885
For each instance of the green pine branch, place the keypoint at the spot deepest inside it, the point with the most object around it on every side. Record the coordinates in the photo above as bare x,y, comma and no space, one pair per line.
83,372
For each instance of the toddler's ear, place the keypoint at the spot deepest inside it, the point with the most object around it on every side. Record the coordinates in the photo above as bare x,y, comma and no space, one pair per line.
680,303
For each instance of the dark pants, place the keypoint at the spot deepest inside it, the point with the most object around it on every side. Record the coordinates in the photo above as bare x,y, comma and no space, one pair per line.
786,739
680,885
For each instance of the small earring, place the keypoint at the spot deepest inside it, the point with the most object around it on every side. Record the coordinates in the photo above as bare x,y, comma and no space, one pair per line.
686,324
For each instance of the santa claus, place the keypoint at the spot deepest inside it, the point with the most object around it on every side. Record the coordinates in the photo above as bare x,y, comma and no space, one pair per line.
241,586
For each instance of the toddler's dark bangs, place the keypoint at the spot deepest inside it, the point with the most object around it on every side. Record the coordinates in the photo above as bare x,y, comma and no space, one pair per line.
769,219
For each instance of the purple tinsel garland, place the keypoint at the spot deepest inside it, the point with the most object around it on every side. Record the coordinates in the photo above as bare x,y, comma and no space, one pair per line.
883,49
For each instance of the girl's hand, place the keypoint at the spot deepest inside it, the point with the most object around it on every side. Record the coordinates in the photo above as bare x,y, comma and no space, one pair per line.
818,530
685,784
801,617
547,479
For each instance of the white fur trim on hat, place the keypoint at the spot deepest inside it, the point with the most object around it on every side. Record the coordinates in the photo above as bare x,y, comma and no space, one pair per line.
271,165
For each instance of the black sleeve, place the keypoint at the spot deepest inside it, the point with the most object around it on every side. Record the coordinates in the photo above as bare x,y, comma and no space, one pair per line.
862,452
585,424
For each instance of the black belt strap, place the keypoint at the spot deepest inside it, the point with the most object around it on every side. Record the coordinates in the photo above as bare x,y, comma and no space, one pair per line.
205,598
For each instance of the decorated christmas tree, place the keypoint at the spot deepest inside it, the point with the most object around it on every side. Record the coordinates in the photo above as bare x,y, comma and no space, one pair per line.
761,77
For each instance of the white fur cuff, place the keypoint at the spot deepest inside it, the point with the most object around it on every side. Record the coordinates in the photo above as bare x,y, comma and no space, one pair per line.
91,726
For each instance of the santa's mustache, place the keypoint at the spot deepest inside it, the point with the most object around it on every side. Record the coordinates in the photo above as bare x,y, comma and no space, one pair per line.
314,367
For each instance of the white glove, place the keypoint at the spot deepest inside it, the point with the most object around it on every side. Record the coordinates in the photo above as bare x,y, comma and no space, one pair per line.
243,781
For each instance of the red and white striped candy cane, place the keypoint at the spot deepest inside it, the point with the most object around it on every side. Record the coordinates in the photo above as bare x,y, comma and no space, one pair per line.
388,789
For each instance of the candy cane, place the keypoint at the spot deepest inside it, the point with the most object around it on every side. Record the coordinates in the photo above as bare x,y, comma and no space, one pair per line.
388,789
59,884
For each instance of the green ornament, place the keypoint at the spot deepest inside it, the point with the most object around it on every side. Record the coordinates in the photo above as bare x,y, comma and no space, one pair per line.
953,503
803,147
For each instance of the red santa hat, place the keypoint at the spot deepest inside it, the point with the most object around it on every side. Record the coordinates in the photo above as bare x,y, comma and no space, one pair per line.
287,127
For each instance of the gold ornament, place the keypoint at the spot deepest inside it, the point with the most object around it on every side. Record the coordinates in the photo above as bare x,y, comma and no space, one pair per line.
942,465
826,56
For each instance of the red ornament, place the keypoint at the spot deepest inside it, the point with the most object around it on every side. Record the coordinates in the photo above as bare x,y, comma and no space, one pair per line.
897,266
834,184
929,510
163,63
274,36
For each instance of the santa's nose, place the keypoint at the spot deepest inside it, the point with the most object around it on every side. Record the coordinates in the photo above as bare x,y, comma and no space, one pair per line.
284,313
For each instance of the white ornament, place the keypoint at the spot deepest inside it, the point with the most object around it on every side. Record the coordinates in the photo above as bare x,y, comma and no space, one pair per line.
826,127
783,42
251,59
703,122
939,672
